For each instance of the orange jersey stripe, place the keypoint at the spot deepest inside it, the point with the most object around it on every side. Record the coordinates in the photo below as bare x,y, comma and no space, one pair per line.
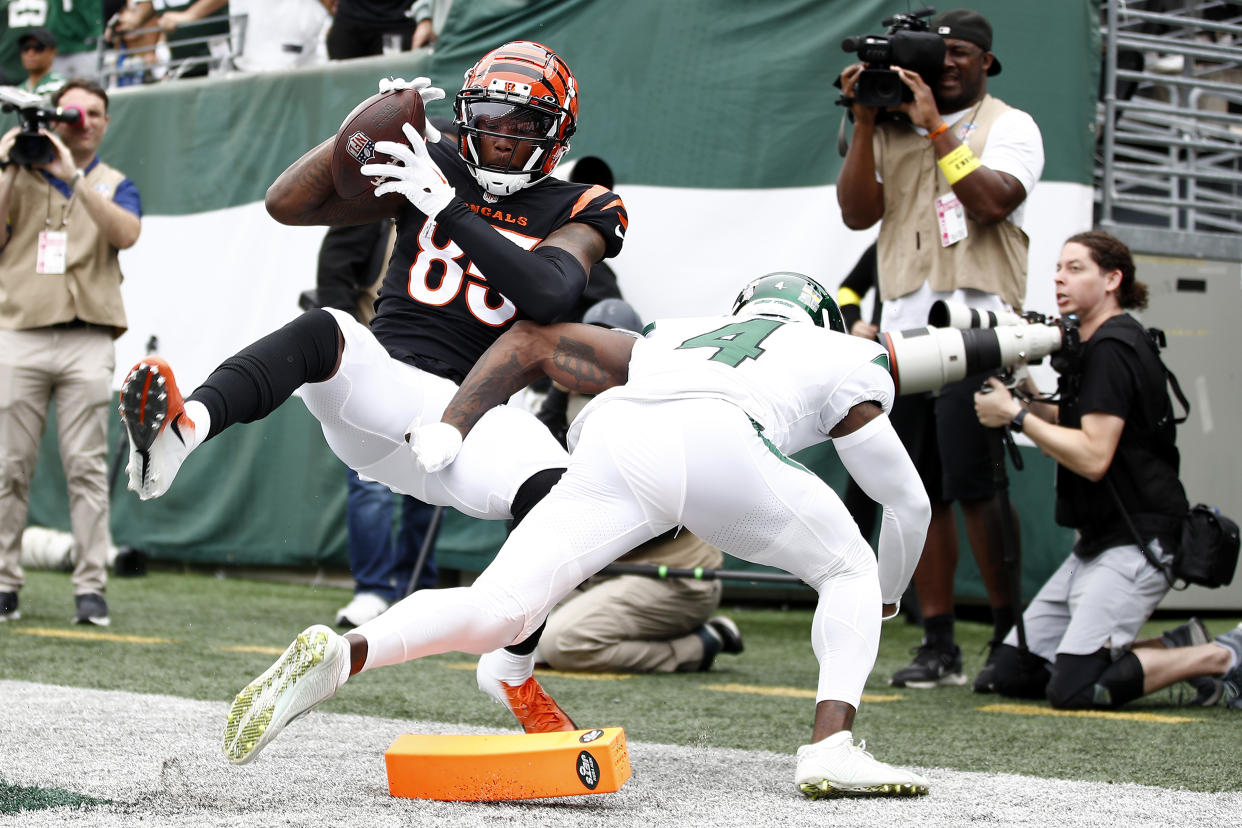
616,202
594,192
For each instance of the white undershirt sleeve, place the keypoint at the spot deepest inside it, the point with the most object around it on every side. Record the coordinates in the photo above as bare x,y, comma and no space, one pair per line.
879,463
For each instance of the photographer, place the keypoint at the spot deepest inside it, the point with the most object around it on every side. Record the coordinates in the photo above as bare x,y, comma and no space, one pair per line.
946,174
1112,435
60,309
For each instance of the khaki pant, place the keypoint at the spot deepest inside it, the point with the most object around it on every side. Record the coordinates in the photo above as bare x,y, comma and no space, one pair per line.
74,367
636,624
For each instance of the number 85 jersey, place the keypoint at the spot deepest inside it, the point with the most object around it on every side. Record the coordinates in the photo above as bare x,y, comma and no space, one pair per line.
796,381
436,310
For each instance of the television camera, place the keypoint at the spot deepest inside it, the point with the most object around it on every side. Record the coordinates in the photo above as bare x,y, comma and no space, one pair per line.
32,146
908,43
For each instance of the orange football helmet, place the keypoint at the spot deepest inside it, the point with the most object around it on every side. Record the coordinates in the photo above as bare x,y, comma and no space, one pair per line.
521,92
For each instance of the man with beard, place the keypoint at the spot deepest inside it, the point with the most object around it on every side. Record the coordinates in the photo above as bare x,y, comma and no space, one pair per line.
946,175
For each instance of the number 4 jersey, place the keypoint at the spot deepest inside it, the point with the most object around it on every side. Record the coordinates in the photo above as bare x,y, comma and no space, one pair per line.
435,309
795,380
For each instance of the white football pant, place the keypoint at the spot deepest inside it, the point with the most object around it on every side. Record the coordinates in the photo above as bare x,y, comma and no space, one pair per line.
367,407
638,470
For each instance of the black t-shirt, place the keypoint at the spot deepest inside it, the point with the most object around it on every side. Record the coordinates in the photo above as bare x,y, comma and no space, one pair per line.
380,14
1121,374
435,310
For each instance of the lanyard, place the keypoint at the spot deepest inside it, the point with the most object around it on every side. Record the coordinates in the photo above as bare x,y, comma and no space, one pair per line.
64,213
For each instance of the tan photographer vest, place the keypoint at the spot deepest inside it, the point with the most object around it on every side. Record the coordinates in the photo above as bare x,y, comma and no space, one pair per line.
90,287
991,258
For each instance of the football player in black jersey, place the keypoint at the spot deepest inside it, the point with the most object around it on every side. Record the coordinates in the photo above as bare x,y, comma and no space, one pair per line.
485,237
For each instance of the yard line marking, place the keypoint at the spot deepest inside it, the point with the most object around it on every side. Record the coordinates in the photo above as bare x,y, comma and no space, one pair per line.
470,665
85,635
792,692
244,648
1036,710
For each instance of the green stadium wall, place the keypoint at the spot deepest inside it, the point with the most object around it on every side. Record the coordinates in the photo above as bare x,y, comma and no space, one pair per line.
718,119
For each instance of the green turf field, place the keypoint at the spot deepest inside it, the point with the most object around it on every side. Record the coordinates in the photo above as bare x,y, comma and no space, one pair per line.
201,637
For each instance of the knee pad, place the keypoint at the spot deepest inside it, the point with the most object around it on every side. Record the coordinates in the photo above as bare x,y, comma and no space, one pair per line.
1115,682
1075,682
1018,673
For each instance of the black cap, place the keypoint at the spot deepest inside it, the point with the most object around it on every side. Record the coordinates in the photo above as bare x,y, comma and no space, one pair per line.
964,24
39,35
615,314
590,169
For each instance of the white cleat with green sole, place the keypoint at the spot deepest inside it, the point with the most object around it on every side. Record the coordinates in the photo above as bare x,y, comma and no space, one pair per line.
836,767
306,674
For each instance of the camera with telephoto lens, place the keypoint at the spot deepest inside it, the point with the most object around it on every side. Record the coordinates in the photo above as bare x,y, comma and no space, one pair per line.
31,146
928,358
907,43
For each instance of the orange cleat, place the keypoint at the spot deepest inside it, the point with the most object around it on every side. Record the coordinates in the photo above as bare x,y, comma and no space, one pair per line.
160,434
510,680
535,710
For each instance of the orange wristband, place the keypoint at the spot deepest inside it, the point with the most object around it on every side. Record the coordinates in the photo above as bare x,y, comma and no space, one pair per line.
938,131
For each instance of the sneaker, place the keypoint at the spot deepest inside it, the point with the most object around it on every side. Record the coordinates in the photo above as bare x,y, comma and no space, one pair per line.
92,609
1233,640
306,674
931,668
154,416
985,680
1190,634
1201,691
730,635
837,767
499,676
1231,691
364,607
8,606
1231,695
712,644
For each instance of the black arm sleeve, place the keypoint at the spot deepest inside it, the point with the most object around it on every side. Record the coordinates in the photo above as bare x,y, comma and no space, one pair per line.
861,279
851,314
544,283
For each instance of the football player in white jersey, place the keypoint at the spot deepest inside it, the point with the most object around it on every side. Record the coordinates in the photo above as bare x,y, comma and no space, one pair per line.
696,432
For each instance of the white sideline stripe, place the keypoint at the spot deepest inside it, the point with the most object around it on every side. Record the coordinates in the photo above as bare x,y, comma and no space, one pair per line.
160,757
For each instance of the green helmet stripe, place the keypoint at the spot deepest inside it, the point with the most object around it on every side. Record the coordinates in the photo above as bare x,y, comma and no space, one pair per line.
792,290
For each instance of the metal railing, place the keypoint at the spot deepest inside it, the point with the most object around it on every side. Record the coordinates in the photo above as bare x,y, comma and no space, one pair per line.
1169,163
122,66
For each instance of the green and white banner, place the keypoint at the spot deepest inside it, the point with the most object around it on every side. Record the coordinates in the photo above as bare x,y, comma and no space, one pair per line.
718,119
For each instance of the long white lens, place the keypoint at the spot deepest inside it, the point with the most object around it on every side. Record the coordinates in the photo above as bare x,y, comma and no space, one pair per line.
927,359
956,315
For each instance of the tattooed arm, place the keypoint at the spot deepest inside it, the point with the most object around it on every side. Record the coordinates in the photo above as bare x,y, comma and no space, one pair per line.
583,358
304,195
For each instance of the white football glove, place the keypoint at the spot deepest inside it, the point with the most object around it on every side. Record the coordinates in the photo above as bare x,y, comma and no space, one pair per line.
417,177
425,91
435,445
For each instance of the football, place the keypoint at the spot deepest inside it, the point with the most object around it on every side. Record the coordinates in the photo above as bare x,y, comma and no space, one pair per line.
378,118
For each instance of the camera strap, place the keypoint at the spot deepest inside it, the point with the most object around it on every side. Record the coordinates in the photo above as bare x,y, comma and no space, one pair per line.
1166,571
53,248
1158,343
